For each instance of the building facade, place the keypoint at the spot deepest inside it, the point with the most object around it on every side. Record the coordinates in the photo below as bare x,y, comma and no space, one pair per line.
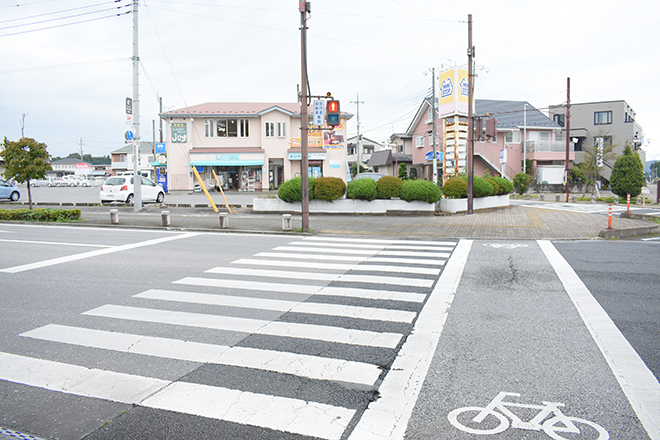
247,146
601,124
122,159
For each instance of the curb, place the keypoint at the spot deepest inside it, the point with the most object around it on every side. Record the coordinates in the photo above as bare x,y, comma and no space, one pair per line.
608,234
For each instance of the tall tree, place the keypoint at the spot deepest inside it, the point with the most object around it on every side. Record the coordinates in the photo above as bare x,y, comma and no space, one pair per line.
627,174
25,160
594,158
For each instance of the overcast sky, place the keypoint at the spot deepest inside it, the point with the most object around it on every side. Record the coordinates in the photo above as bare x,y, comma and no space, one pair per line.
71,81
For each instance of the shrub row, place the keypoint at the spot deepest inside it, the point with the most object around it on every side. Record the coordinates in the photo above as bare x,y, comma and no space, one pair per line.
387,187
456,187
40,215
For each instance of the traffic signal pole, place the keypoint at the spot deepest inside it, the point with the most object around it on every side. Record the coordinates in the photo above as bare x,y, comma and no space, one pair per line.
470,155
303,7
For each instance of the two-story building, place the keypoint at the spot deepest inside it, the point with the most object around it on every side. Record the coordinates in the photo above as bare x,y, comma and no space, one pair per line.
248,146
601,124
122,159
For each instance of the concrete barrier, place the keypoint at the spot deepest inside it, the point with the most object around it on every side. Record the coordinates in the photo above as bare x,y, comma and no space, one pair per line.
286,222
224,220
114,216
165,218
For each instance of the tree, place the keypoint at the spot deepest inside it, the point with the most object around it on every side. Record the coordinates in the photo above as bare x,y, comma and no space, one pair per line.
521,182
594,159
403,171
655,170
25,160
627,174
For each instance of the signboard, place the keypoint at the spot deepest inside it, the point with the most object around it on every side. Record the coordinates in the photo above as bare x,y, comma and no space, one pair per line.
161,148
454,92
429,155
503,156
129,106
310,156
129,135
179,132
318,112
335,163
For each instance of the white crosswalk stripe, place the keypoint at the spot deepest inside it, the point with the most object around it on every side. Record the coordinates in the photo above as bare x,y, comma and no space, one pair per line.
393,279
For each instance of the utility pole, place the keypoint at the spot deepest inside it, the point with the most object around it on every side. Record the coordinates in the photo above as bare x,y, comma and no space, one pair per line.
470,156
137,175
568,132
357,142
81,150
304,7
160,120
435,130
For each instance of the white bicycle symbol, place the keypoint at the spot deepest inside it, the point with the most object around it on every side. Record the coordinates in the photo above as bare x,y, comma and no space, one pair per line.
552,426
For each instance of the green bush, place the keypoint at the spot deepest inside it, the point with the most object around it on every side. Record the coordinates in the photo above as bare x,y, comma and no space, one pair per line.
627,174
362,189
291,190
388,187
494,184
420,190
329,188
521,182
505,185
455,188
40,215
480,186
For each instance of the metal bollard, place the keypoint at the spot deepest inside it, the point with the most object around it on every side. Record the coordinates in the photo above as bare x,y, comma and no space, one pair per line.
224,220
286,222
165,218
114,216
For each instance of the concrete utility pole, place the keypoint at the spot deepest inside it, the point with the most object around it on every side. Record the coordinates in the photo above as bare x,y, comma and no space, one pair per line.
81,150
470,155
435,129
304,7
137,175
568,132
357,141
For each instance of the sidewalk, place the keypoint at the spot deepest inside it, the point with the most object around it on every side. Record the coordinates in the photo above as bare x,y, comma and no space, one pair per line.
514,222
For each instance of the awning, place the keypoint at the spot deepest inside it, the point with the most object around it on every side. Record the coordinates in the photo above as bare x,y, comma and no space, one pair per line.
226,157
226,163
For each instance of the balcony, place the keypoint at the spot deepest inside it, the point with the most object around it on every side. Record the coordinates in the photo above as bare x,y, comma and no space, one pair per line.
559,146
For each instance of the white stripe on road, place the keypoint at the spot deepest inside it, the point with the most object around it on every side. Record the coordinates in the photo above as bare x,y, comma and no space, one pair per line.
416,282
385,242
304,289
402,261
313,367
362,251
368,246
96,253
272,412
637,381
281,305
251,326
387,418
56,243
74,379
291,264
261,410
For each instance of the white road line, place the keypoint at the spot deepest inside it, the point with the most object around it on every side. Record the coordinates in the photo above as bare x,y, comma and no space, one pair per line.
57,243
386,242
318,276
402,261
96,253
327,250
265,411
313,367
368,246
291,264
312,308
251,326
272,412
74,379
387,418
636,380
305,289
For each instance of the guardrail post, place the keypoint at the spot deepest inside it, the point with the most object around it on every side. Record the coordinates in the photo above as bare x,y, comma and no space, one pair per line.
286,222
114,216
224,220
165,218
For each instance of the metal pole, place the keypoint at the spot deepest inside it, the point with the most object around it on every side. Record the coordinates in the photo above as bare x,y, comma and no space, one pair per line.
435,130
525,138
470,157
568,132
137,176
304,124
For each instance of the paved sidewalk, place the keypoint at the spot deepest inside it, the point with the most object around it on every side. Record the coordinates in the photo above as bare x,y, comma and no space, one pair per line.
514,222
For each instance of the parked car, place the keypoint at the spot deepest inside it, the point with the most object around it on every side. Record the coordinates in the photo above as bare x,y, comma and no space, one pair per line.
374,176
9,191
120,189
46,181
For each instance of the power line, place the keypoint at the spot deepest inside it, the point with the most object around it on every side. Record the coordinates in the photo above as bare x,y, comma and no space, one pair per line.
66,24
57,12
60,18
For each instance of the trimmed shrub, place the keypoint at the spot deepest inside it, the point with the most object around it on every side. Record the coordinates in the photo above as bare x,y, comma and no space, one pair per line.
420,190
388,187
494,184
291,190
480,187
40,215
521,182
362,189
329,188
505,185
455,188
627,174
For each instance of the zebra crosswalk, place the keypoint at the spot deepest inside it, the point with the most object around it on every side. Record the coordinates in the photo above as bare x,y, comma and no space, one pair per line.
302,335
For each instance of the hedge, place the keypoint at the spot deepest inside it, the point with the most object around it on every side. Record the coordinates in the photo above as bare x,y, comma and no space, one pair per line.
291,190
480,186
329,188
40,215
388,187
420,190
455,188
362,189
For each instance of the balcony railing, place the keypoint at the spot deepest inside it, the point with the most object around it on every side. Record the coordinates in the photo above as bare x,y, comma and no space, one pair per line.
535,146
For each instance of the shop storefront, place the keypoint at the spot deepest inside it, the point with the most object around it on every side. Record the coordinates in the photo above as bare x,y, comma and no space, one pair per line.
236,170
315,159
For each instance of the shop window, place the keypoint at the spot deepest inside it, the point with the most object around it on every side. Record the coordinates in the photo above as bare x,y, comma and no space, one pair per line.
232,127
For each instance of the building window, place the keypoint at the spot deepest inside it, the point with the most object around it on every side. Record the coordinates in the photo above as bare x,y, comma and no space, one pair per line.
419,141
559,119
602,118
270,129
351,149
244,126
630,115
429,115
400,148
208,128
221,128
603,141
281,129
513,137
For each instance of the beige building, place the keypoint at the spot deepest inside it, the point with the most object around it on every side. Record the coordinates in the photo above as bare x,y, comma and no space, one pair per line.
249,146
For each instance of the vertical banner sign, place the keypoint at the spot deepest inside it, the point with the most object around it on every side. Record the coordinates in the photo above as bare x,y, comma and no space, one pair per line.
453,92
318,109
179,131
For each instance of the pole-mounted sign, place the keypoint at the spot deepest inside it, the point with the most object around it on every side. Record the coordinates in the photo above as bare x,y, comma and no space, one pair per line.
129,106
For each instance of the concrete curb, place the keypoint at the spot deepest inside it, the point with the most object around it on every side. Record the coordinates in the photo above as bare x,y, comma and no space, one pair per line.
632,232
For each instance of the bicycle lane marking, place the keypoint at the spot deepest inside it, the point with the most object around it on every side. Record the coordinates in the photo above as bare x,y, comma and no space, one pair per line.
387,417
636,380
96,253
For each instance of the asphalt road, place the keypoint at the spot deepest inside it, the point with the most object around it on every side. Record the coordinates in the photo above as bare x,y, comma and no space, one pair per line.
143,334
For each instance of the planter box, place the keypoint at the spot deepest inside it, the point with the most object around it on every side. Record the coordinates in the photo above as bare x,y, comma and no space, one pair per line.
458,205
344,206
